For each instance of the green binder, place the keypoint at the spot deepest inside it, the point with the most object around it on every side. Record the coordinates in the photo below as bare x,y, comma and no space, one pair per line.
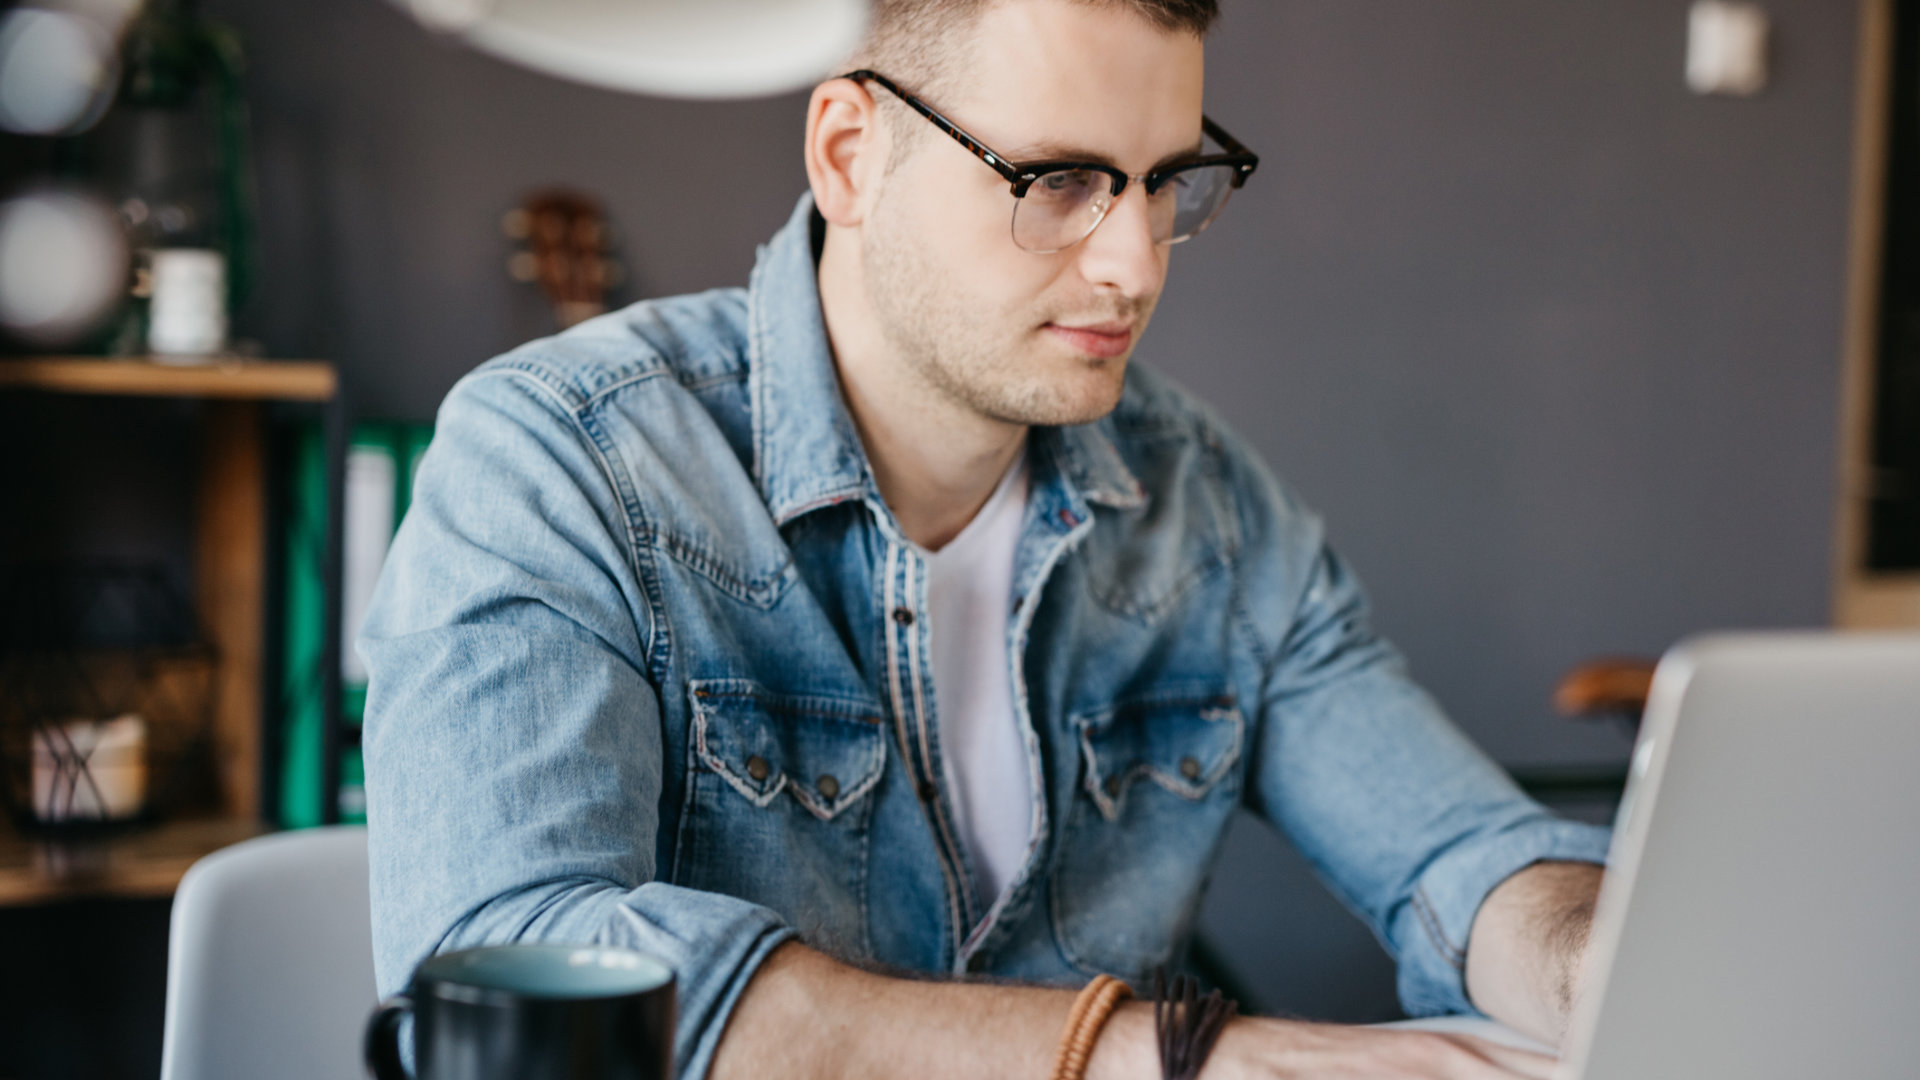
304,542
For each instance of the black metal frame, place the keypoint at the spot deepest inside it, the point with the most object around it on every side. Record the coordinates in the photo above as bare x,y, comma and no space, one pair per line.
1021,175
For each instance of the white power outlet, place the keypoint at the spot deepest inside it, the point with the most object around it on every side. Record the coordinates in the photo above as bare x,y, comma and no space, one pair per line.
1727,48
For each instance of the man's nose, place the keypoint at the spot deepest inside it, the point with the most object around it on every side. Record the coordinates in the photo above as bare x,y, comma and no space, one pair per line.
1121,252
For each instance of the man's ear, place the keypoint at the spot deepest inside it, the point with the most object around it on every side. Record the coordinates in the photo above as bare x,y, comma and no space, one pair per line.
845,150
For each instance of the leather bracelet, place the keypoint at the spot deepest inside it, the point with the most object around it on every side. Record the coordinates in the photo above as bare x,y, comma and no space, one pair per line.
1084,1021
1186,1025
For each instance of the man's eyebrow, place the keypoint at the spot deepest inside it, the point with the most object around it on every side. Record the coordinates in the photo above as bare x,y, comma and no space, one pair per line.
1056,151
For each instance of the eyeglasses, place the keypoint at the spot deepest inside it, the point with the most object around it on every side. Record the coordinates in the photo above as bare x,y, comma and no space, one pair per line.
1058,203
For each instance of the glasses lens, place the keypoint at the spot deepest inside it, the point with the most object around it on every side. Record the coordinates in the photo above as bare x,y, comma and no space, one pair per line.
1060,209
1189,201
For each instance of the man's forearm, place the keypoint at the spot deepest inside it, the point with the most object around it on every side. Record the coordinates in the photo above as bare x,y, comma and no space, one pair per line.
810,1017
806,1015
1528,944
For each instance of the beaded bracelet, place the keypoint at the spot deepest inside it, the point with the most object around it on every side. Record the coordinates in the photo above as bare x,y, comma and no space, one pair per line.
1084,1021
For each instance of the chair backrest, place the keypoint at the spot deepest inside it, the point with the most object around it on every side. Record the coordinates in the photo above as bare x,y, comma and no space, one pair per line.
270,963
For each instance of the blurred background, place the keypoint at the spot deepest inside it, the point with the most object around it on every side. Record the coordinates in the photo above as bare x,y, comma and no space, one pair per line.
1575,358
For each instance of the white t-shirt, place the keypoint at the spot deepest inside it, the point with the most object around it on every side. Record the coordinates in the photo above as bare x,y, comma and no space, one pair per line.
970,603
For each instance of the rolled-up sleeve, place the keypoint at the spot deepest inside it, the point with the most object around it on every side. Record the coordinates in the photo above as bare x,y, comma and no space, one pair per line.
513,740
1409,823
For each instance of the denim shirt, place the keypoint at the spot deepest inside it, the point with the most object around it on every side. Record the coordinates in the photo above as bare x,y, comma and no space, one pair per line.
649,667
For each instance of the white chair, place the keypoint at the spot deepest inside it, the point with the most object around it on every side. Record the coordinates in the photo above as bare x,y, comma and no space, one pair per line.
270,963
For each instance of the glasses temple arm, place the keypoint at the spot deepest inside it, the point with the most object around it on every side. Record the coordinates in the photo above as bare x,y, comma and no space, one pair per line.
975,146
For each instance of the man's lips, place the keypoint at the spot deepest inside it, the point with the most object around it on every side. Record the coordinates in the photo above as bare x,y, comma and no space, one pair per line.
1104,340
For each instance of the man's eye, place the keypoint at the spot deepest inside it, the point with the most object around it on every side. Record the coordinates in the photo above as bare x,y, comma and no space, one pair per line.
1066,183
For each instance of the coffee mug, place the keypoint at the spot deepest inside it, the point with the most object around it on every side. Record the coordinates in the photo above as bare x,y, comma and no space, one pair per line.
531,1012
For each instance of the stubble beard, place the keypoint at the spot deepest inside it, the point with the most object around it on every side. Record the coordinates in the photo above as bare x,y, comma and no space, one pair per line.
989,361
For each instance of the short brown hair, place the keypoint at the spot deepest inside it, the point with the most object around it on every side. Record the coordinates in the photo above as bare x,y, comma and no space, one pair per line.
912,41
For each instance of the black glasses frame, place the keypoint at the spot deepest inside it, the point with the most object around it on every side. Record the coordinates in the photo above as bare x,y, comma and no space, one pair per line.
1021,175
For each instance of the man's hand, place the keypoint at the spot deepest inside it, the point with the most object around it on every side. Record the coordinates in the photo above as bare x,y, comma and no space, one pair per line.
1527,950
1327,1051
1254,1048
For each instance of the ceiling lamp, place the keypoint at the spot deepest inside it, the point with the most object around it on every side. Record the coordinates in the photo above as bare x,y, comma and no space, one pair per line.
667,48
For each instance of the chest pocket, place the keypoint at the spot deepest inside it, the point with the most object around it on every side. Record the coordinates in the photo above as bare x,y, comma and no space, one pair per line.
779,804
1160,778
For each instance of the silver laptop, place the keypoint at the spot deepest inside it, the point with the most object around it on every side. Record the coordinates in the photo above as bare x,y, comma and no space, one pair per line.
1761,916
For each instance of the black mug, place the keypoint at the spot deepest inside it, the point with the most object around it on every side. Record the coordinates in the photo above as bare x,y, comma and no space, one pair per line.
531,1012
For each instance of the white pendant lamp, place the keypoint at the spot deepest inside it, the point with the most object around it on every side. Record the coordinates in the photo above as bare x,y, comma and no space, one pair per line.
667,48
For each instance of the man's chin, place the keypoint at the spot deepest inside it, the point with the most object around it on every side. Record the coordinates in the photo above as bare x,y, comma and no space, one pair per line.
1082,398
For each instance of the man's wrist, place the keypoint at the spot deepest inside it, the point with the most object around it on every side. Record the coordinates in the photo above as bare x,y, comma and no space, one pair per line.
1126,1049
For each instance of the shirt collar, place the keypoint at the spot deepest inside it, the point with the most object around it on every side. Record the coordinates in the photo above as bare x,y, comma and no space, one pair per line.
806,451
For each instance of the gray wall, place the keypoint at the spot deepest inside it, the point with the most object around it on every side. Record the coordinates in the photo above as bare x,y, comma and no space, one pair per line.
1552,342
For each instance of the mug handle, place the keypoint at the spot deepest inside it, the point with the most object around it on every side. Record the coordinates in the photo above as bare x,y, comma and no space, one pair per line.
382,1046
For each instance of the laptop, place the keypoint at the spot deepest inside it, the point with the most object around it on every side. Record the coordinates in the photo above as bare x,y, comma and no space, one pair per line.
1761,913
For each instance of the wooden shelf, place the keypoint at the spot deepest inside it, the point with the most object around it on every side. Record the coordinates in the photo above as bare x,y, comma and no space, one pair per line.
221,377
230,577
143,862
1884,601
230,592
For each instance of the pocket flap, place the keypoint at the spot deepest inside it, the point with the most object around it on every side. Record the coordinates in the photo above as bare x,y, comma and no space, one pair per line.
1183,740
826,752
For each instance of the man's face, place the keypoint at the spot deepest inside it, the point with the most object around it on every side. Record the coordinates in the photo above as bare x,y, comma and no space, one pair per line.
1011,335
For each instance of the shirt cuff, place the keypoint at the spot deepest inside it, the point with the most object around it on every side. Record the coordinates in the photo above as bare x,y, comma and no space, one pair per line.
1447,896
714,943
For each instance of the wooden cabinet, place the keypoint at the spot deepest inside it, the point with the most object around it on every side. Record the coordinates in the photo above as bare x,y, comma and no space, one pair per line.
231,597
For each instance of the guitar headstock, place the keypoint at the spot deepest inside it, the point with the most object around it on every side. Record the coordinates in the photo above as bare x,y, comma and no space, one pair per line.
564,242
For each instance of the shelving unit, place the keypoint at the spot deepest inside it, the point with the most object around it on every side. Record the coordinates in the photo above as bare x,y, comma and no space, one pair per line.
1866,598
230,379
231,598
143,863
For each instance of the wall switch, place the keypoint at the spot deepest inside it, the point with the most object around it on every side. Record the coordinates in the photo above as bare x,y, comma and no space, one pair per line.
1727,48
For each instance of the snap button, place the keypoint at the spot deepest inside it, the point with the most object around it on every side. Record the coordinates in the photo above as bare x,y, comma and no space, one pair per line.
903,616
757,767
1189,768
829,787
928,791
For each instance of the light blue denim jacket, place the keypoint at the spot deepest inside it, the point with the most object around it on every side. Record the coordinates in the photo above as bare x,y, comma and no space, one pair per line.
649,666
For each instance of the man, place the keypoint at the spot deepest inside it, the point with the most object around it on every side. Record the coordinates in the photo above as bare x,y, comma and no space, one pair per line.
882,617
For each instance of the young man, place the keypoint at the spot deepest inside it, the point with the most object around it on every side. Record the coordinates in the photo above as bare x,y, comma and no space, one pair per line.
882,618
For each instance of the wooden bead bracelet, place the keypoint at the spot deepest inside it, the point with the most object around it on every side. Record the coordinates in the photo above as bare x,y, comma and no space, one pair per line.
1186,1024
1084,1021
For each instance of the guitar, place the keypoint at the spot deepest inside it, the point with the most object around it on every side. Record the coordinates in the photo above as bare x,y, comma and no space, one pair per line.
564,242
